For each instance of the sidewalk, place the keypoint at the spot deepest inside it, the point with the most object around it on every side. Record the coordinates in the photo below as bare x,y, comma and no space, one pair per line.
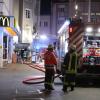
11,77
12,88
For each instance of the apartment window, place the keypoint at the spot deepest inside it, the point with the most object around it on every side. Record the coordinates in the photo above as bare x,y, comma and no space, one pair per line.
61,9
28,13
45,24
98,14
59,22
61,14
94,20
85,14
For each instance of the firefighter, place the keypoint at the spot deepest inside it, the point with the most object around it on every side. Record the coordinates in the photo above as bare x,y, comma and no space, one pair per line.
50,63
69,65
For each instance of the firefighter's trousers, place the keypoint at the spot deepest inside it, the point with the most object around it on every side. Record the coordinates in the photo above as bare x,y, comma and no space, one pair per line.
49,78
69,81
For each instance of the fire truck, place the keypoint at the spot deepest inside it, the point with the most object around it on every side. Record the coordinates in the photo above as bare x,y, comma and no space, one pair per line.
86,37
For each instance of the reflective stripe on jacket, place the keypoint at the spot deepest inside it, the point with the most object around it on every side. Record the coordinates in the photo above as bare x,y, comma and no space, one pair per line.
50,66
70,62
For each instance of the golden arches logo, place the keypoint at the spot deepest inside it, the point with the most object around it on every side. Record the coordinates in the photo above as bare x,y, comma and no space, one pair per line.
4,22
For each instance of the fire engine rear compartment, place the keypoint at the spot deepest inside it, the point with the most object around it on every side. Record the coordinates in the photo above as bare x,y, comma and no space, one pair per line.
86,37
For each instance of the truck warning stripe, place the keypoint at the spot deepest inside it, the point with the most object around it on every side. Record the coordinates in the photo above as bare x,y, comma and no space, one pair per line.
77,39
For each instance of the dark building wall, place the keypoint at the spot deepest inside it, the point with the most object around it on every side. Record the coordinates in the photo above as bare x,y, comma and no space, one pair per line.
20,13
87,0
45,7
60,1
20,17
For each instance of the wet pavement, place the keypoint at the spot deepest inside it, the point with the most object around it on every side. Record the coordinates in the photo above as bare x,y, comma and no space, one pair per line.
12,88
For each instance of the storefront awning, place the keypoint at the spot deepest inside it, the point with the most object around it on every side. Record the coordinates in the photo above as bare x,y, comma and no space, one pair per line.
10,31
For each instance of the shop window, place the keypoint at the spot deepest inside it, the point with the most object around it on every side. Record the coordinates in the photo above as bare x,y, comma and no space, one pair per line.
5,47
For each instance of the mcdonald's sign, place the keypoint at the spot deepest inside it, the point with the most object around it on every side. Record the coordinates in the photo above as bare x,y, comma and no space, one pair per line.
4,21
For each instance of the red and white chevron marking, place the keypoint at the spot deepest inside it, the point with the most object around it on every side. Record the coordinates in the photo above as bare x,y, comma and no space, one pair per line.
76,38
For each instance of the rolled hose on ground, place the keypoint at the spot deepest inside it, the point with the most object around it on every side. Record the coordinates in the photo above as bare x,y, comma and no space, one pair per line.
40,78
29,80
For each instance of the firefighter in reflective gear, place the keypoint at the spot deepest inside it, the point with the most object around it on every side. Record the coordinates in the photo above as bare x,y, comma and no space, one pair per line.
50,62
70,67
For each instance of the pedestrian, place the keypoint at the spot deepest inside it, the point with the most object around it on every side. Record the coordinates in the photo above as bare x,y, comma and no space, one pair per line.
70,68
19,57
50,63
14,57
30,56
22,56
25,55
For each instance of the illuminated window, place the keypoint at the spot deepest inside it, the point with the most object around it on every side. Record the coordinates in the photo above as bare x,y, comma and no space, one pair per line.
98,14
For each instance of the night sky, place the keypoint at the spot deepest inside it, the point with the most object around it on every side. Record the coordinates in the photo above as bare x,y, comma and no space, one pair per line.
45,7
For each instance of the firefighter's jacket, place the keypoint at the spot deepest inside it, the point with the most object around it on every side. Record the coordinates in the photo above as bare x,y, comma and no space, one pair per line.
70,62
50,58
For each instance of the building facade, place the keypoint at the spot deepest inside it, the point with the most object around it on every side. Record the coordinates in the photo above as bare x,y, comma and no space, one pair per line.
17,18
60,12
64,9
88,11
27,19
7,31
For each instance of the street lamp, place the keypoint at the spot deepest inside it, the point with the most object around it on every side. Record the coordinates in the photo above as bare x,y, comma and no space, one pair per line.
76,7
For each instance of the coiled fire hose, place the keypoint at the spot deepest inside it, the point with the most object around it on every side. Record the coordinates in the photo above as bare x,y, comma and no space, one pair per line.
36,79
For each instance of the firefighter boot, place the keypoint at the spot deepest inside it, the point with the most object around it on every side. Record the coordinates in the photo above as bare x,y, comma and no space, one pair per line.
64,89
72,88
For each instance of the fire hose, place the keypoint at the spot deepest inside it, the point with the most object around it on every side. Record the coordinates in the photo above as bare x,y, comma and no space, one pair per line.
36,79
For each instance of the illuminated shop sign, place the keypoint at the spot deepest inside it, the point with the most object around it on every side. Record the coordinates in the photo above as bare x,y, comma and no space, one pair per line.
7,21
4,21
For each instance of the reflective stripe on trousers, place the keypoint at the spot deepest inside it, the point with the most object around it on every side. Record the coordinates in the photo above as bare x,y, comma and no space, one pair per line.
69,79
49,78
